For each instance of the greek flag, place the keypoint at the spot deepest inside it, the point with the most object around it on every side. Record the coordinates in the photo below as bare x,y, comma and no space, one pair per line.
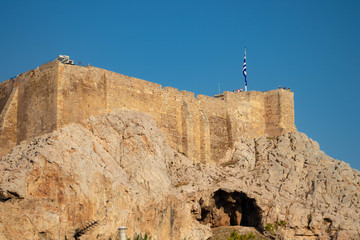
244,69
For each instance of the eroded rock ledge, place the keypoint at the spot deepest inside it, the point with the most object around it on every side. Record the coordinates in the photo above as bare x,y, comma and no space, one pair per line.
117,169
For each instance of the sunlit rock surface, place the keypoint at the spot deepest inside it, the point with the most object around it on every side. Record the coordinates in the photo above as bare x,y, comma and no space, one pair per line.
118,169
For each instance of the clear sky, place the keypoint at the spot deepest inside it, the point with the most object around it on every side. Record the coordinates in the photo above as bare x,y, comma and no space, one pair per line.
312,47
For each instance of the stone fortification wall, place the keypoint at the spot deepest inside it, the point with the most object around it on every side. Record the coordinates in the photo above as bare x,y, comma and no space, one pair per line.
8,116
203,128
28,105
37,94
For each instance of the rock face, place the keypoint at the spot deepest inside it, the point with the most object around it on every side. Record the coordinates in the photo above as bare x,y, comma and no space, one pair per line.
118,169
298,189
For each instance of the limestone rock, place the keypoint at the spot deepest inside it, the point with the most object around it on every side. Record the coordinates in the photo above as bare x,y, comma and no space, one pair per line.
115,172
118,169
293,181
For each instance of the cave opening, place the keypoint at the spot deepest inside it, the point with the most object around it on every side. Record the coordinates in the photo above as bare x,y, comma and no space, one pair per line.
230,209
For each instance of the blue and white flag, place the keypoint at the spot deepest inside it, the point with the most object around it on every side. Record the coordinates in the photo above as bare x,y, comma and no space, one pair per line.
244,69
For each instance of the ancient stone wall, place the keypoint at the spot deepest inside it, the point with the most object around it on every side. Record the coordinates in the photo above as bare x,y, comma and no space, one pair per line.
28,106
5,91
8,118
37,95
202,128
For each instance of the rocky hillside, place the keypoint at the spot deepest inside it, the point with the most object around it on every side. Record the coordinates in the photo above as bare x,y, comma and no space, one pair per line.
87,180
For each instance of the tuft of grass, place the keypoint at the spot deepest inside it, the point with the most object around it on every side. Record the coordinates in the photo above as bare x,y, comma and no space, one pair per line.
139,236
236,236
273,229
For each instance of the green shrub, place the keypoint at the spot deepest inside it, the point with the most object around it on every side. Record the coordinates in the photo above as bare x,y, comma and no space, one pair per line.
138,236
272,229
235,236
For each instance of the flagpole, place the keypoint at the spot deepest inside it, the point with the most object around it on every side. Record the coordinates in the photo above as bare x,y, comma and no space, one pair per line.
246,75
244,71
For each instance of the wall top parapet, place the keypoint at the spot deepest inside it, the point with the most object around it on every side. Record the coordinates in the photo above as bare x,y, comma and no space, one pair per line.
19,79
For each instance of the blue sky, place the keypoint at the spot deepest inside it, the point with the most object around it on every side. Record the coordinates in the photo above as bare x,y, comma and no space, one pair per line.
311,47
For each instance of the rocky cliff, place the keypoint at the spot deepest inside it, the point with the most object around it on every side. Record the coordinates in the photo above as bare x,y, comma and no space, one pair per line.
118,169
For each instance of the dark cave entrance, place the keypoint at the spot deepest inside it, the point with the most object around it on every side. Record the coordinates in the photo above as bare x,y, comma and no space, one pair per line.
230,209
241,209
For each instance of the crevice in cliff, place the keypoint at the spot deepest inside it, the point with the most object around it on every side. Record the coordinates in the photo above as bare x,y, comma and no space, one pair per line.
256,152
15,194
230,209
4,199
9,195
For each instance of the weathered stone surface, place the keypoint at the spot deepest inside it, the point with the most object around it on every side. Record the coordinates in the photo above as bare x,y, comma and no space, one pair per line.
118,169
293,181
115,172
203,128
